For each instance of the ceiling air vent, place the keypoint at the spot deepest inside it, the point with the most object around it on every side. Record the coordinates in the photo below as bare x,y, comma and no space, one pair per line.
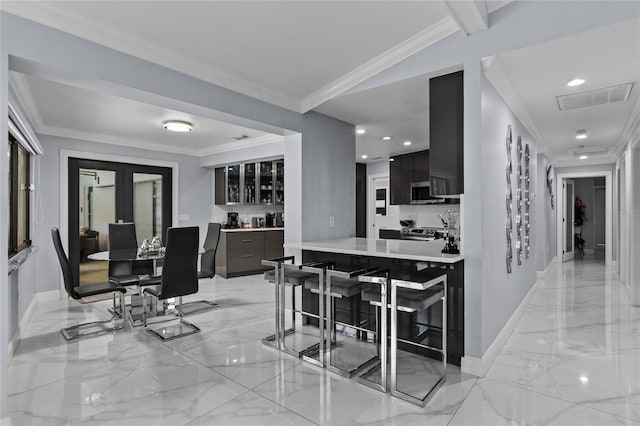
595,97
240,136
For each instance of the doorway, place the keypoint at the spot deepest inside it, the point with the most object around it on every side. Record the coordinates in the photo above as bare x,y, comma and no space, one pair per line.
103,192
590,194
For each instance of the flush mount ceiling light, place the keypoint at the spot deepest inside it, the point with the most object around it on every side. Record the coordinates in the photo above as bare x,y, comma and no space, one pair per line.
407,143
581,134
178,126
364,156
387,138
575,82
583,157
392,159
361,131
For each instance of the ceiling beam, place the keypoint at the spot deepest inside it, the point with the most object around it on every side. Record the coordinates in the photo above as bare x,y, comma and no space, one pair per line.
470,15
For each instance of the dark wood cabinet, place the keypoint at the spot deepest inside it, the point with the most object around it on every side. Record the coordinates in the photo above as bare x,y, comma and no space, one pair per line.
446,131
405,170
250,183
241,253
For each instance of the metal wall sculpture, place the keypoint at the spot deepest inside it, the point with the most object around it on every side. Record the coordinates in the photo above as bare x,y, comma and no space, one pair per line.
527,203
509,201
519,203
550,185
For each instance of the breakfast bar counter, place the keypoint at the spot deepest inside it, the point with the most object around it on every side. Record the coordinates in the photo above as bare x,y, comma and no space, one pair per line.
422,251
402,258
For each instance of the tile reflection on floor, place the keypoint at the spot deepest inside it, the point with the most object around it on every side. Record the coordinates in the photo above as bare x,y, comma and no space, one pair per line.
574,358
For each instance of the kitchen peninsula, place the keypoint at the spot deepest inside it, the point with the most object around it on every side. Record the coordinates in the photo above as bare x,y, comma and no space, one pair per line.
401,257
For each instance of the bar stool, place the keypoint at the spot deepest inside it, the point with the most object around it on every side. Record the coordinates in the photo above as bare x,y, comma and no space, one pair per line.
339,284
376,293
290,275
418,292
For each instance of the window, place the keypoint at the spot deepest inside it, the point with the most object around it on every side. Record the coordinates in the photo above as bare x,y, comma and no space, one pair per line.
19,187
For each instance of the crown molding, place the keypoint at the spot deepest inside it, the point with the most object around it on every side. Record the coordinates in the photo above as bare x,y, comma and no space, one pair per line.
420,41
52,15
115,140
26,99
631,132
606,161
496,76
246,144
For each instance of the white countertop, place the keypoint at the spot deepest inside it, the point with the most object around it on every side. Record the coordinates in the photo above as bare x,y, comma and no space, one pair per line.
250,229
425,251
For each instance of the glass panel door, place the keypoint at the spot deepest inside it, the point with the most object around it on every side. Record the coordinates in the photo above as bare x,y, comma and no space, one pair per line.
233,184
569,237
147,206
266,182
249,183
101,193
279,186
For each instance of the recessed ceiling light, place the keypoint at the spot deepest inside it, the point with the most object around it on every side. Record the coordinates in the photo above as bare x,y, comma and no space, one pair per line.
583,157
581,134
575,82
361,131
407,143
178,126
392,159
364,156
387,138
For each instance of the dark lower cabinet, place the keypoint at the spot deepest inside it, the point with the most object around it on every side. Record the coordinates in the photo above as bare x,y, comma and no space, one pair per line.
241,253
354,310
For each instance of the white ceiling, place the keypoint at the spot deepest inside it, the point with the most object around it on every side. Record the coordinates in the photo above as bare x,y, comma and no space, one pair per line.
295,54
399,109
535,75
68,111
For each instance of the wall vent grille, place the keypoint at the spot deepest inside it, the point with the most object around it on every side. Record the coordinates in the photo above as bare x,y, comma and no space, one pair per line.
594,97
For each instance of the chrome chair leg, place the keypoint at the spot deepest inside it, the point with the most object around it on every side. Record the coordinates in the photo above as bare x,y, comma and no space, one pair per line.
96,327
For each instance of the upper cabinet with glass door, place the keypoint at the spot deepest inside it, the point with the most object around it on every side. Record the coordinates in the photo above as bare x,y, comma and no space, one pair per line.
250,183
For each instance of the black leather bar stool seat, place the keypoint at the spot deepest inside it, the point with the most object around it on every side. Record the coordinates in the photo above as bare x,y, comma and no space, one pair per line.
408,299
291,278
340,287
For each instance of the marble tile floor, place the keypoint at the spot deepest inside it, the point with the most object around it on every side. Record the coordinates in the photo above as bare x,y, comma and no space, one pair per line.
573,359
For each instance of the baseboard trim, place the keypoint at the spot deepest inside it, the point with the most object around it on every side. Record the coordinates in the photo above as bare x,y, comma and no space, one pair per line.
480,366
542,274
45,296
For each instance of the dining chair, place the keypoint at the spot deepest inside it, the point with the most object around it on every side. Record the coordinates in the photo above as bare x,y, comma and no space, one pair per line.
179,278
77,291
207,267
122,236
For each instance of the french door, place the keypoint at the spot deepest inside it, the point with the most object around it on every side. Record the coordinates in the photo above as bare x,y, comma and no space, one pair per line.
102,192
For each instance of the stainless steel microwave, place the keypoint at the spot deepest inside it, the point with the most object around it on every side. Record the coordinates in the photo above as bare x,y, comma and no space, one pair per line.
420,194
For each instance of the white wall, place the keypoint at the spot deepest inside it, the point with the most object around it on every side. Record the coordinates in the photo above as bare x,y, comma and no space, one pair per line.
5,295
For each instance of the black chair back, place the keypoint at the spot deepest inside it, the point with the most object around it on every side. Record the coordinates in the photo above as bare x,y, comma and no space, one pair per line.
69,282
208,258
180,269
122,236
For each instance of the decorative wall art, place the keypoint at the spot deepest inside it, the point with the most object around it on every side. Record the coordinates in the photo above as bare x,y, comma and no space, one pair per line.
550,185
509,201
527,203
519,203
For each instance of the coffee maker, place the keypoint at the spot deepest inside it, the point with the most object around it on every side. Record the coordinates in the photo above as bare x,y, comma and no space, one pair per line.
269,220
232,220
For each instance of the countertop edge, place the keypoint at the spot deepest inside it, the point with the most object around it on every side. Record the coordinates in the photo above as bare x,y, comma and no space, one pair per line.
311,247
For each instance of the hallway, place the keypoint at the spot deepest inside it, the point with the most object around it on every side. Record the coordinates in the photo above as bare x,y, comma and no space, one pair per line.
573,359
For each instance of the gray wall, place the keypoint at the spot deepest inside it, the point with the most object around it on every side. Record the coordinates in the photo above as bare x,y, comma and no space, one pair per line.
546,218
194,195
502,292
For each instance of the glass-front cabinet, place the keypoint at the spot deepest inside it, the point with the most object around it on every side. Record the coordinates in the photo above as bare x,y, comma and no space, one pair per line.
249,186
279,184
233,184
257,183
266,182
